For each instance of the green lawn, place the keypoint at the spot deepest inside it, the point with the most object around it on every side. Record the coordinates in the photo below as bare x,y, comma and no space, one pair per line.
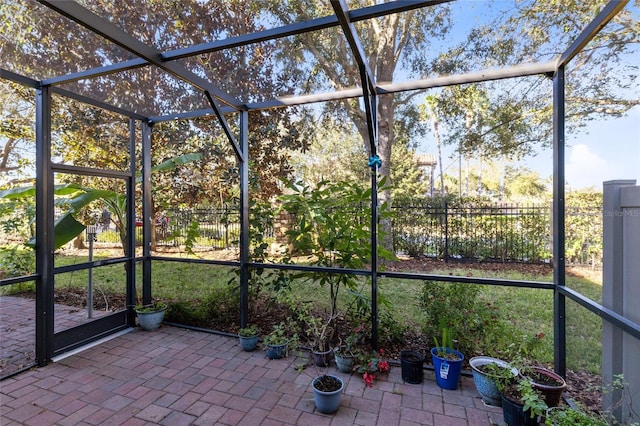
530,310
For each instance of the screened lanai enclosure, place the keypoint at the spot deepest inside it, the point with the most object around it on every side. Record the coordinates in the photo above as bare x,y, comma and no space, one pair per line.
131,115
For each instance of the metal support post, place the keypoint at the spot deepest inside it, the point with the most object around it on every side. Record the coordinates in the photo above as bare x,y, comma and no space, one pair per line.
146,214
559,316
44,229
244,219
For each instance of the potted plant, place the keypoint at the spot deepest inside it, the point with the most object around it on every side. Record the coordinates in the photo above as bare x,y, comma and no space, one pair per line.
346,353
521,404
277,341
411,363
249,337
319,333
327,393
567,416
488,373
369,364
447,362
550,384
344,359
150,316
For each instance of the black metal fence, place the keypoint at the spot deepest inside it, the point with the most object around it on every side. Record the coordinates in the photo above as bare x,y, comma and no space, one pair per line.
498,232
214,227
505,233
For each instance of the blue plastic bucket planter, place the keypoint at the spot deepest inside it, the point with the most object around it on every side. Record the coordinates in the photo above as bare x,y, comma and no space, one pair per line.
276,351
248,344
447,371
486,385
327,402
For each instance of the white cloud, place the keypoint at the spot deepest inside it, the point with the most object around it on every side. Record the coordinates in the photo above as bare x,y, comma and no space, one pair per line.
585,168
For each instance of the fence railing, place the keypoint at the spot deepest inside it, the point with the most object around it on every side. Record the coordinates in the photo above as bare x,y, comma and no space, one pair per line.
215,227
505,233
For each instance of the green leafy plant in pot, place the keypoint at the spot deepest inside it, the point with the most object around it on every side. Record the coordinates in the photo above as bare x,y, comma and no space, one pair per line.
150,316
319,334
488,373
522,405
277,342
447,361
350,349
567,416
249,337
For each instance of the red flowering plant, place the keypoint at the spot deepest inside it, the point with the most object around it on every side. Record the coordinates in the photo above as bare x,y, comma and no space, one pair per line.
370,364
367,362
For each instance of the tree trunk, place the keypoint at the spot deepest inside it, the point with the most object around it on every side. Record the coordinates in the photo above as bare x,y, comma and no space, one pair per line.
385,145
434,121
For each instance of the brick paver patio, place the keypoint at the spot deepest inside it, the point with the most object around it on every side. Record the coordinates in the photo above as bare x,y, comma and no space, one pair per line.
18,329
174,376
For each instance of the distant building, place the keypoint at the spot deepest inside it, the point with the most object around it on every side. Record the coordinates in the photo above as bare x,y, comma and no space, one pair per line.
427,163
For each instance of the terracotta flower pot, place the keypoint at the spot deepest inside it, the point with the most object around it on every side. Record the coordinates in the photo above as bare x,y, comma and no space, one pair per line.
550,384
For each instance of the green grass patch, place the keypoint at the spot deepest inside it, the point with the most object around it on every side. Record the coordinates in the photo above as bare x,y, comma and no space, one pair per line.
208,293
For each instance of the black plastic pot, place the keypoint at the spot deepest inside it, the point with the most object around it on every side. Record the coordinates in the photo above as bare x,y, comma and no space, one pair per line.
514,415
411,363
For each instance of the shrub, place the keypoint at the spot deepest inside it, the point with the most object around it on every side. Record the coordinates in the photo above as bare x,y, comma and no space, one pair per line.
17,262
222,307
473,322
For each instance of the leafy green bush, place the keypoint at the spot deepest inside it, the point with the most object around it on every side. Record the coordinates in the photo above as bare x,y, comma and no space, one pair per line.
185,312
16,262
474,323
221,307
332,223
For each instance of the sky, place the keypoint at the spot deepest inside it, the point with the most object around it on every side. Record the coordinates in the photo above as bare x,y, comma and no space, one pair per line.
603,150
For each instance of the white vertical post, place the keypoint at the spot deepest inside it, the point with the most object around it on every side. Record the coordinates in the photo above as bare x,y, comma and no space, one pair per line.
630,203
621,233
91,237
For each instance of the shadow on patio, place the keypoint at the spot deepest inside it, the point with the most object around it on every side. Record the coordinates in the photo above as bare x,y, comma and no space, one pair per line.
175,376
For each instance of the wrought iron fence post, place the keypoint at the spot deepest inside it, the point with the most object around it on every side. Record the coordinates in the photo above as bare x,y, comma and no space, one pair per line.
226,226
446,231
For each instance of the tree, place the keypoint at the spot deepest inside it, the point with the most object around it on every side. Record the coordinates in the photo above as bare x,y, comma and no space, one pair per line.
602,82
431,114
323,60
409,181
86,136
16,133
517,117
335,153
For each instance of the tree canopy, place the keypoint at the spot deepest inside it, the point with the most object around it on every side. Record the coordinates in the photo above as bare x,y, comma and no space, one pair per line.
494,120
